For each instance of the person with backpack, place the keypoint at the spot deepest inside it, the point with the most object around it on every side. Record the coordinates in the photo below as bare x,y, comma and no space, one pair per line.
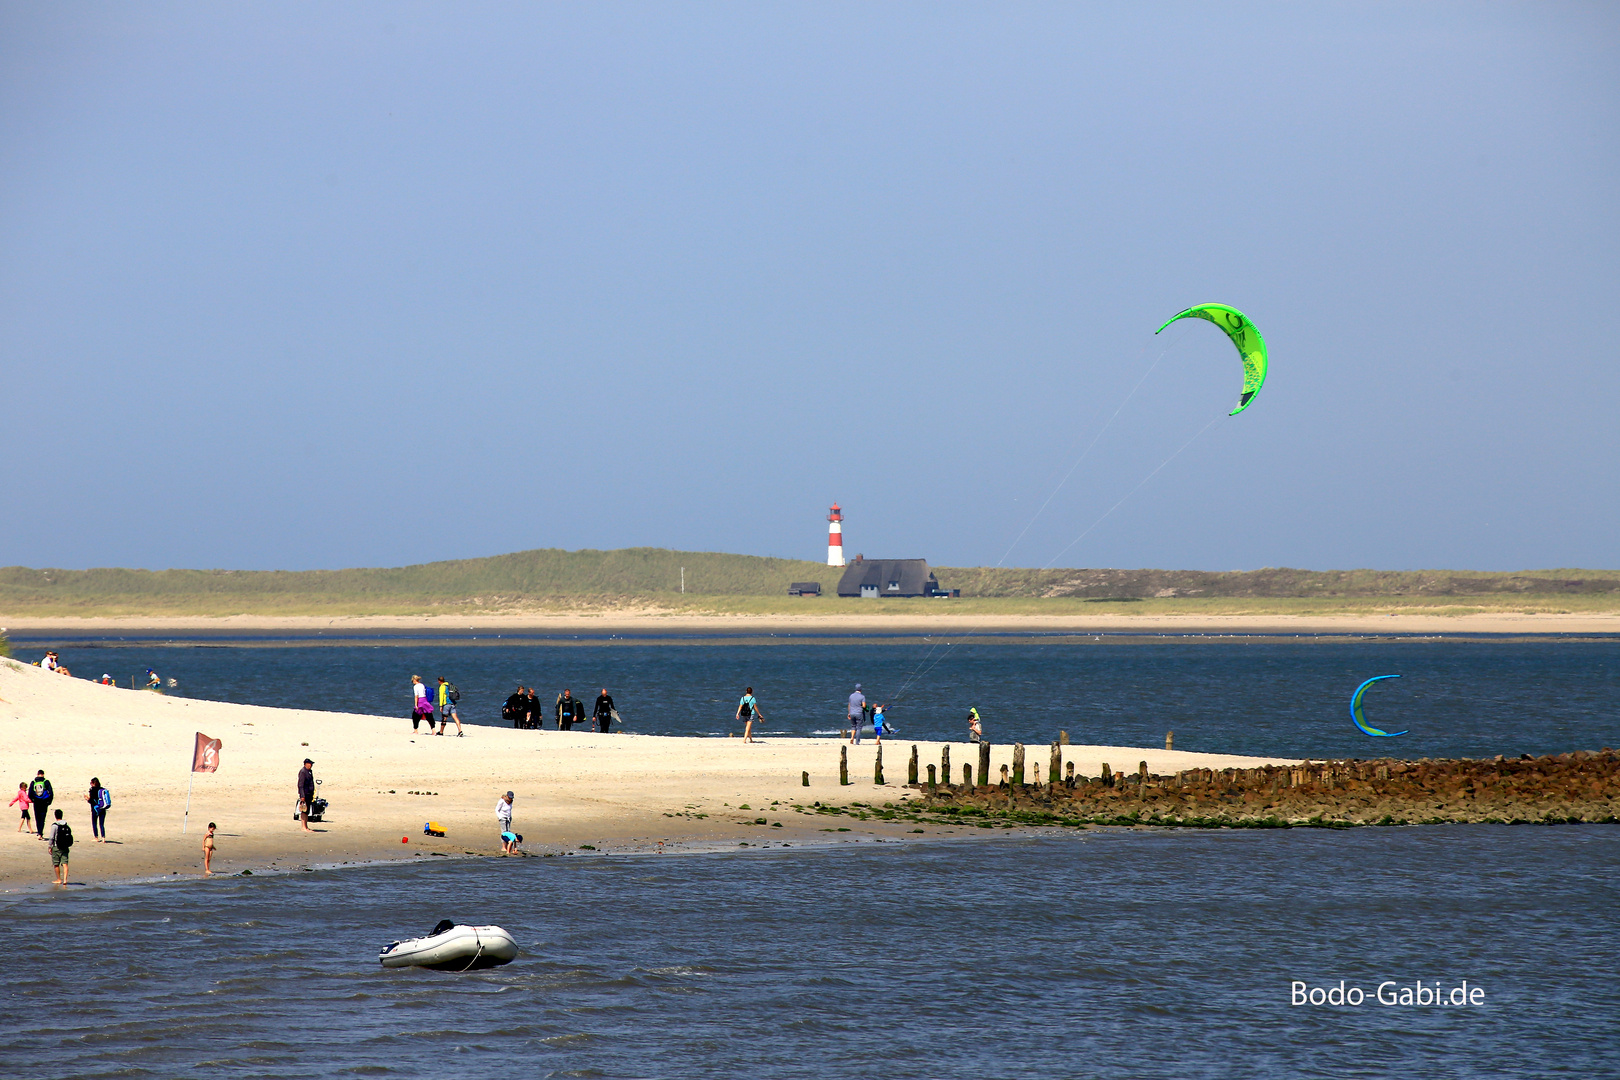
100,800
748,712
61,841
40,794
448,696
516,709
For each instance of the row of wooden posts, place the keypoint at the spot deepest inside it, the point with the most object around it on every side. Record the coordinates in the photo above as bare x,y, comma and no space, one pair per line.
1016,777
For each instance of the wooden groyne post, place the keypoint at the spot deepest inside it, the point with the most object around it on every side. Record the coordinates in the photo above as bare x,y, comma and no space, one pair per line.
984,764
843,766
1018,765
1169,740
945,764
911,770
877,770
932,783
804,778
1056,769
967,776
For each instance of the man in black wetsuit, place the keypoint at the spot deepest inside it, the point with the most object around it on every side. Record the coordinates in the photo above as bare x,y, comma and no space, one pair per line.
566,703
515,709
604,710
531,710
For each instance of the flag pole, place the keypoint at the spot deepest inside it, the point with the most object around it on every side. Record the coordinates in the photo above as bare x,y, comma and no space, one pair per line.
188,803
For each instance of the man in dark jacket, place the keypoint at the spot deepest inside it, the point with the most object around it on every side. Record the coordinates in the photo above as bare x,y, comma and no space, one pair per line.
565,710
604,710
306,792
40,794
531,710
516,708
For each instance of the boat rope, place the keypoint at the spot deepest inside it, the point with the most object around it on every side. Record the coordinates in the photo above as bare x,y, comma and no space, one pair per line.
479,938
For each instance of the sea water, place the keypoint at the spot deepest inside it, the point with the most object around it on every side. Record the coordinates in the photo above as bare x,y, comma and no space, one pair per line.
1457,695
1107,953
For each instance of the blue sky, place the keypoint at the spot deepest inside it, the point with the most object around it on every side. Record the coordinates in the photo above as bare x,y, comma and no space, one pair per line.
300,285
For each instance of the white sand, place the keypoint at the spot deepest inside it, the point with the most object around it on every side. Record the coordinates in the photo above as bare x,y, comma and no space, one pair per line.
892,618
614,792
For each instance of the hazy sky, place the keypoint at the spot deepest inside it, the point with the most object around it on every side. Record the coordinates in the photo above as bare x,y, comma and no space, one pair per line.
319,285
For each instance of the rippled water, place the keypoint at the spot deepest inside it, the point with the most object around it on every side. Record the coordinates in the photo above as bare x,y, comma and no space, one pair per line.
1458,696
1111,954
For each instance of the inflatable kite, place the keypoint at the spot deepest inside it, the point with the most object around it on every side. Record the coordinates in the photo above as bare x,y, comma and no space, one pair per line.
1355,708
1245,337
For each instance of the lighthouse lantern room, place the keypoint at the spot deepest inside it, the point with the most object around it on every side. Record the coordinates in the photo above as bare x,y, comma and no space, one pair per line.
835,537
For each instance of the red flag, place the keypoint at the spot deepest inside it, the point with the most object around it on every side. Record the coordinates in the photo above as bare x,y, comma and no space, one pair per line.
206,757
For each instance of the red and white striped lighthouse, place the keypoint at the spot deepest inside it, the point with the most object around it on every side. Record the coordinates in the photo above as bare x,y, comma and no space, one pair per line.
835,537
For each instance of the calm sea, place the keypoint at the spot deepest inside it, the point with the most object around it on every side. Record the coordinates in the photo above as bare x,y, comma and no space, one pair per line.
1458,696
1108,954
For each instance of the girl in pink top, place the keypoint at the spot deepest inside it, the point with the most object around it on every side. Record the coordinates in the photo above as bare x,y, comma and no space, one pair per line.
22,797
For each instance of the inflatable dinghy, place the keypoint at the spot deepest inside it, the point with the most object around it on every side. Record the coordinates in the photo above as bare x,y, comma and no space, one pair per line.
453,947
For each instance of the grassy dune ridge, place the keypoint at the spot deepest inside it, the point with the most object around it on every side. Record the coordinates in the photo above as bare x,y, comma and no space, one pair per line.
648,579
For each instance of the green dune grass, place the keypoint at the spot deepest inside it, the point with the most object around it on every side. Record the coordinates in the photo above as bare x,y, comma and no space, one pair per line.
642,579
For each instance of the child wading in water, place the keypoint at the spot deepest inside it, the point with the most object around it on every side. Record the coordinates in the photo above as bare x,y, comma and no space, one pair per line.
208,850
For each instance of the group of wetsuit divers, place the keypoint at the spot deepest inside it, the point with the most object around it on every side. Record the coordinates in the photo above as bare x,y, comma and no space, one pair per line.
523,710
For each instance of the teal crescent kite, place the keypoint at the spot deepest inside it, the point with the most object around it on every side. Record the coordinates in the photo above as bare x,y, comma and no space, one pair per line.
1245,337
1355,708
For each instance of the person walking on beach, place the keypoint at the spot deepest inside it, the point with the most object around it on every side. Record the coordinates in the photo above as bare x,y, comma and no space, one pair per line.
40,794
857,713
421,704
61,841
448,696
208,850
879,728
569,709
532,716
975,728
748,712
516,709
100,800
22,799
306,792
604,711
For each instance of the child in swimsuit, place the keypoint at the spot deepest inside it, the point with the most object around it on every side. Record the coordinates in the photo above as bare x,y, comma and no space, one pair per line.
208,850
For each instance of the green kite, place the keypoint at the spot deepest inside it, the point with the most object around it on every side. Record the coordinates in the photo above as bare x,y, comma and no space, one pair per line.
1245,336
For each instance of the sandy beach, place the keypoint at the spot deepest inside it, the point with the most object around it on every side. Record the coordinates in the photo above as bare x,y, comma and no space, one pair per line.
810,622
616,792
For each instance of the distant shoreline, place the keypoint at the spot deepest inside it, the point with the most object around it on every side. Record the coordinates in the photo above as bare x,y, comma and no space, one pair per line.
732,624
